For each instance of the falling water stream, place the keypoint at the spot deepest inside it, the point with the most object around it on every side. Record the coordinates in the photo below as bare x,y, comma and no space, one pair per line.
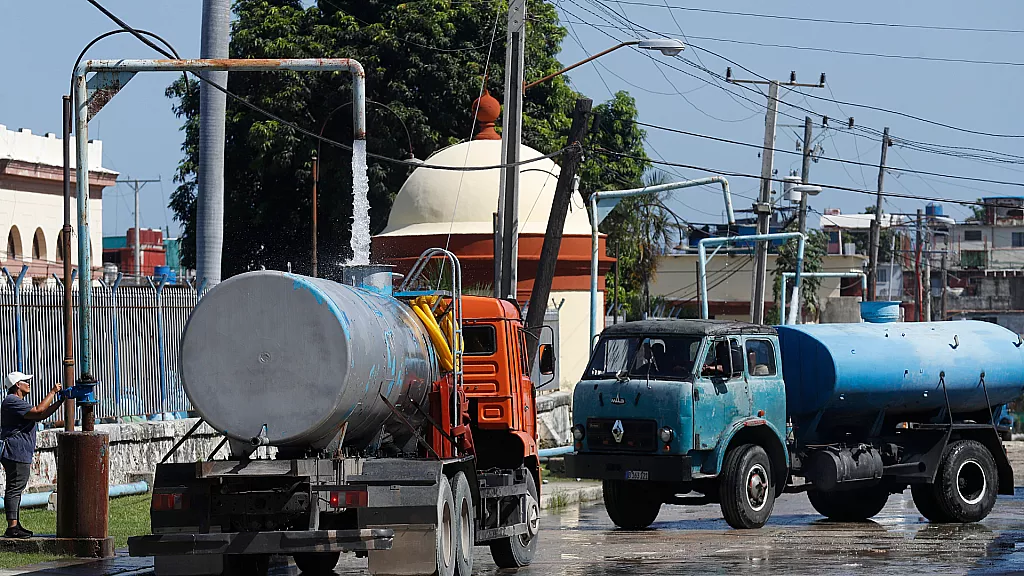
360,205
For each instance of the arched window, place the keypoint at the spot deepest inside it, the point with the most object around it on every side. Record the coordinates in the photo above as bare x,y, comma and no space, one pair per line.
39,245
60,246
14,244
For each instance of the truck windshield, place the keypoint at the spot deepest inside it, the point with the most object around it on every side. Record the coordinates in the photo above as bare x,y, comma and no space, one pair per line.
664,357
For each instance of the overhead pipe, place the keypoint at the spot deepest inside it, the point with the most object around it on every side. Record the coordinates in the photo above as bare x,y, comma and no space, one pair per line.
84,388
703,259
614,196
785,275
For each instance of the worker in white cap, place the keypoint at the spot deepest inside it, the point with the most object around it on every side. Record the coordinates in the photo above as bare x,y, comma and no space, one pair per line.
18,421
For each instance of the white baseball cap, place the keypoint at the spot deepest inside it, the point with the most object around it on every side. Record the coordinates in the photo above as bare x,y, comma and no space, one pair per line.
14,378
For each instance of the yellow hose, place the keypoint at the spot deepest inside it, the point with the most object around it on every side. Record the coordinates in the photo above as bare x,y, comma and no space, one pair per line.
444,353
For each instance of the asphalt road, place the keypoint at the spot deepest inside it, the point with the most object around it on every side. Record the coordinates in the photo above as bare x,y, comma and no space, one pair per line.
695,540
581,541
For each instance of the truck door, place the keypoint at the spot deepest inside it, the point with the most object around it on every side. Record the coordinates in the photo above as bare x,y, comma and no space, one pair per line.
720,393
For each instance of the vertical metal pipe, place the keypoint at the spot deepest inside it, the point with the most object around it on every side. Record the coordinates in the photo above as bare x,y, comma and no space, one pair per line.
795,305
593,269
116,341
65,246
782,302
84,251
917,268
19,332
702,273
316,162
212,109
138,244
160,342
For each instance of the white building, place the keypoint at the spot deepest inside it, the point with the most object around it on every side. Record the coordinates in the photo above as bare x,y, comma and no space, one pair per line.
32,202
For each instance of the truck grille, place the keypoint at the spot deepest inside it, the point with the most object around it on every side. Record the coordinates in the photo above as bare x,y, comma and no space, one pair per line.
637,435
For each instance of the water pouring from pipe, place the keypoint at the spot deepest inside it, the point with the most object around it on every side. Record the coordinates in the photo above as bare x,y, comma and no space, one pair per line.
360,205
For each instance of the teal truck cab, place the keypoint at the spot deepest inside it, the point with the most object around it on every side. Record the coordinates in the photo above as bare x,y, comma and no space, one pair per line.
709,411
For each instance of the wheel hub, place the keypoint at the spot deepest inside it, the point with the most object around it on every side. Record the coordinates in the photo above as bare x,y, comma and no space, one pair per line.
971,482
757,487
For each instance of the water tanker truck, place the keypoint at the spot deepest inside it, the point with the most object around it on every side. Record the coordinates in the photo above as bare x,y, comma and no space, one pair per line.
706,411
398,425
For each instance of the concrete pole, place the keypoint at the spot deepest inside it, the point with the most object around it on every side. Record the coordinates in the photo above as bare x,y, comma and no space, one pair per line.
763,208
927,277
945,281
506,253
805,174
215,42
877,225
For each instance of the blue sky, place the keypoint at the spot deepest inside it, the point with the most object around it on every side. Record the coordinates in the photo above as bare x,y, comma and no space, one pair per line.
142,138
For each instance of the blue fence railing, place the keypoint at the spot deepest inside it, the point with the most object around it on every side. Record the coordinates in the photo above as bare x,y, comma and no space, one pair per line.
136,334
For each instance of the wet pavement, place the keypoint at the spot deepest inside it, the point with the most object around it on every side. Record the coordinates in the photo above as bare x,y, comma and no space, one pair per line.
581,541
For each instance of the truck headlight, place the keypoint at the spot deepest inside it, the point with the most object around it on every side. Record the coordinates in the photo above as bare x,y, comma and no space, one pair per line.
578,432
666,434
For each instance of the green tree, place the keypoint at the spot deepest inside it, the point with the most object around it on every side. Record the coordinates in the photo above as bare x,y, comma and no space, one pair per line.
424,61
815,248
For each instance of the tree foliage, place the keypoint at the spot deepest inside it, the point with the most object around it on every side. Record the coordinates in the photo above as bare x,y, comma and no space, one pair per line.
815,248
424,61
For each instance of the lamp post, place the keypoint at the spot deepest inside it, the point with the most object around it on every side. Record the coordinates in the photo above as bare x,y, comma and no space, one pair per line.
506,245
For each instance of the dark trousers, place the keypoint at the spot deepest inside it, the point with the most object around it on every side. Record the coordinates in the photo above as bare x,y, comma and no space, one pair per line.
17,478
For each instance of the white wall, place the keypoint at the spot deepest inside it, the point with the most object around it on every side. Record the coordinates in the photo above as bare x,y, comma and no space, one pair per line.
573,335
30,211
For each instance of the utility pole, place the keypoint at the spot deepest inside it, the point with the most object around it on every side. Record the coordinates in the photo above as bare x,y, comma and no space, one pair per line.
916,266
506,253
926,274
805,174
564,189
876,228
763,207
315,180
137,252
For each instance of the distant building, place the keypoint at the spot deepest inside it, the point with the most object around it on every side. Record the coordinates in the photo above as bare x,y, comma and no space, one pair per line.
120,251
986,266
32,203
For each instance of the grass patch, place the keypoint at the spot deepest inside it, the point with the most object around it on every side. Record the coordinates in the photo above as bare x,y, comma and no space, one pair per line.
558,501
129,516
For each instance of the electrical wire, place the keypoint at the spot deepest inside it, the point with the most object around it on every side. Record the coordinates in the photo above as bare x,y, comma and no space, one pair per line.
310,133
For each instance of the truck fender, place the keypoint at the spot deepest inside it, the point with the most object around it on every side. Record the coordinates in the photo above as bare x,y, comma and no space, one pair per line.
754,431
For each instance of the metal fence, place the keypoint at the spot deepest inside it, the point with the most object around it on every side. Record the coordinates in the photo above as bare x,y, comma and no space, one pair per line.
136,333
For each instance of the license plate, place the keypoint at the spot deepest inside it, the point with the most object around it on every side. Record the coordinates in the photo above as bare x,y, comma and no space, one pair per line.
638,475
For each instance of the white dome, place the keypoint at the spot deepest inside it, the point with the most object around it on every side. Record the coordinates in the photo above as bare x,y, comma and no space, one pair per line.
464,202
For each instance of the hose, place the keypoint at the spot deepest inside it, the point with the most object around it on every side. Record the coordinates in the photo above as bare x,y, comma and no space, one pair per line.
444,353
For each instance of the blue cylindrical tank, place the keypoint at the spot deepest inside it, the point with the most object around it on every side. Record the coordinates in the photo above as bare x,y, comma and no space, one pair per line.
295,358
851,370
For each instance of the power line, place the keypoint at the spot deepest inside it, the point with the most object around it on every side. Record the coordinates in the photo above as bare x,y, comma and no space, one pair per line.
828,186
310,133
828,20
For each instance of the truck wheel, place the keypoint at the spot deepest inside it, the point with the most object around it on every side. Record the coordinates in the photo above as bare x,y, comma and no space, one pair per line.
444,545
927,502
518,551
246,565
966,484
465,526
317,563
855,505
746,487
630,504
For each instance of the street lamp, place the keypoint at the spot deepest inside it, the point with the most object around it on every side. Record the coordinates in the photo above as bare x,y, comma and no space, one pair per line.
667,46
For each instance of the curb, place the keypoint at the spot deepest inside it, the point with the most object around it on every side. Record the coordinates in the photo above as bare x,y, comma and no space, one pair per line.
560,498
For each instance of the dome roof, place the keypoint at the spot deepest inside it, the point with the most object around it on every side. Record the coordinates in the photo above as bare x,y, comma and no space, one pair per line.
443,201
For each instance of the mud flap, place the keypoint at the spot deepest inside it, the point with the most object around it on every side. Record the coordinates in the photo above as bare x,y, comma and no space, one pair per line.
413,551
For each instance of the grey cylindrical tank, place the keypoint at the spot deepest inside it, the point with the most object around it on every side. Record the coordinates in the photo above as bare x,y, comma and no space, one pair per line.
293,358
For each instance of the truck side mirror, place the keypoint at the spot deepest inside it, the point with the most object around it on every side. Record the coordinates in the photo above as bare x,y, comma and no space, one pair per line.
547,360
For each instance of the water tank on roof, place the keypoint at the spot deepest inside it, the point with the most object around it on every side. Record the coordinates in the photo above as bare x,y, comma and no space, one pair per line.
933,209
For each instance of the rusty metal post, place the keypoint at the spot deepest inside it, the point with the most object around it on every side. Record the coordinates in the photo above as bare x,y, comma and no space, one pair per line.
82,489
65,246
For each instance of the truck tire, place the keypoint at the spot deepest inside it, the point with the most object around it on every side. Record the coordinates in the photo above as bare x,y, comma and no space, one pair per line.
246,565
317,563
630,504
444,545
965,486
855,505
465,526
746,487
518,551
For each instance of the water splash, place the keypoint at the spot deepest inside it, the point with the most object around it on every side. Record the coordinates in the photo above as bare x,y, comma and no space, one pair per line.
360,205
